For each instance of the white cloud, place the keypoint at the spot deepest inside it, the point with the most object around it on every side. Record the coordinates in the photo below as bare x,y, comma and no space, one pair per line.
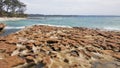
80,7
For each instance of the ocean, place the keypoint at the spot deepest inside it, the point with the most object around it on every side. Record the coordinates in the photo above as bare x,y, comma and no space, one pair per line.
101,22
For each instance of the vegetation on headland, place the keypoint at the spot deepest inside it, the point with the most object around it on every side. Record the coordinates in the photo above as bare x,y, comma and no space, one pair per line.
12,8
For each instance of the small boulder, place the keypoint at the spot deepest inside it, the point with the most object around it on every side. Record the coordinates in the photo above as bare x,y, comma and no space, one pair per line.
2,26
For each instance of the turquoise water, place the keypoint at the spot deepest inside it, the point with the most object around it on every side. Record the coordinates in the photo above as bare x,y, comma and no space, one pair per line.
111,23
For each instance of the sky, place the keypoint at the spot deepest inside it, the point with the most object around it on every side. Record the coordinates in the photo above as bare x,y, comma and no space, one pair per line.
73,7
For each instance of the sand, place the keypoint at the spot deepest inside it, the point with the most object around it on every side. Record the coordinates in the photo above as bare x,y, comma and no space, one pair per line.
10,18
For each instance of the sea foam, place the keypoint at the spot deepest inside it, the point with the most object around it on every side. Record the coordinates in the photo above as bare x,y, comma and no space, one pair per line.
12,27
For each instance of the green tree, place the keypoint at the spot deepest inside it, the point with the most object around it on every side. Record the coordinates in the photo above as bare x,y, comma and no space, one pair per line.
12,8
7,4
1,7
21,8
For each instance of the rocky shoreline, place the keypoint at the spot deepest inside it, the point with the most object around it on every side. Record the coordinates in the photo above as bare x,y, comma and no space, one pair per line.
41,46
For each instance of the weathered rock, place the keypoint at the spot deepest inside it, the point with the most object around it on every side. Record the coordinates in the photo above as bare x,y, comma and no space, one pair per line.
6,48
15,61
105,64
51,47
30,59
108,52
4,64
117,56
4,55
52,41
74,53
11,61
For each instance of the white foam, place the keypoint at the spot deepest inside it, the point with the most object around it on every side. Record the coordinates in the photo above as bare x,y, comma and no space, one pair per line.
54,25
11,19
21,27
111,28
10,27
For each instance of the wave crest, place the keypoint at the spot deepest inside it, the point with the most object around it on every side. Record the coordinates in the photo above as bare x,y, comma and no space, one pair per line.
111,28
12,27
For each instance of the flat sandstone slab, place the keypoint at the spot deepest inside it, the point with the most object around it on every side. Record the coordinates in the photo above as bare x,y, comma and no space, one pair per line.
50,47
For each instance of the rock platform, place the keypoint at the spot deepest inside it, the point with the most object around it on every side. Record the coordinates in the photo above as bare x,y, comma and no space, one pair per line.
41,46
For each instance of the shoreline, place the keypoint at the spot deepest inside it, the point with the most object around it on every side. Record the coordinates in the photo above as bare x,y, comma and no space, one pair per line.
10,19
64,26
48,25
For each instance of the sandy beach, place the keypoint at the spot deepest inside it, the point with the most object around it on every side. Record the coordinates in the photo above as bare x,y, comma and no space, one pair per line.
10,19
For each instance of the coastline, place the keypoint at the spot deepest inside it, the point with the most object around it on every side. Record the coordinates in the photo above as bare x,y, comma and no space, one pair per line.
50,45
12,30
10,19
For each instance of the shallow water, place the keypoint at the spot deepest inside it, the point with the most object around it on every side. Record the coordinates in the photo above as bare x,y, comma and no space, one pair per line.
8,31
101,22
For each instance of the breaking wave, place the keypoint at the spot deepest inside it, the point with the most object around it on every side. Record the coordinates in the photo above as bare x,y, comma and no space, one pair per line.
112,28
12,27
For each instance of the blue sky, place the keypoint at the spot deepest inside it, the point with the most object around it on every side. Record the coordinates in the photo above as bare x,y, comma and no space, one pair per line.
73,7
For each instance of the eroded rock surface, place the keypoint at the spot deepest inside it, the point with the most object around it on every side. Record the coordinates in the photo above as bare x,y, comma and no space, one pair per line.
58,47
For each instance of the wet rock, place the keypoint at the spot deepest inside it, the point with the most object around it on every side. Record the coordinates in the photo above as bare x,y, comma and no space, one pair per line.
74,53
105,65
2,26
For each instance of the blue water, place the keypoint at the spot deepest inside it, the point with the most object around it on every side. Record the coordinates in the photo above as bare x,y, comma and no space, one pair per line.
111,23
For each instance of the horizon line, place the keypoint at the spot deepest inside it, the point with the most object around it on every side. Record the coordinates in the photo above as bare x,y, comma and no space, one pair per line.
69,15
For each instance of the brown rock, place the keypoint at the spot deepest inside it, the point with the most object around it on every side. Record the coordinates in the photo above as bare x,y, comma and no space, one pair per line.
14,61
52,41
11,61
30,59
60,47
2,39
29,45
37,43
4,64
3,55
117,56
12,41
108,52
47,60
90,49
45,48
7,47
